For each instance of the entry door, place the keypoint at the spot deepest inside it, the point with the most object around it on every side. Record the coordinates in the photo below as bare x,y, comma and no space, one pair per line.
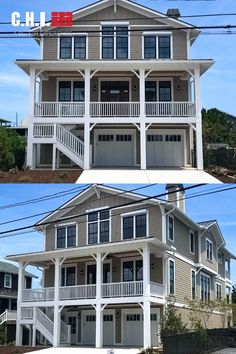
73,322
114,91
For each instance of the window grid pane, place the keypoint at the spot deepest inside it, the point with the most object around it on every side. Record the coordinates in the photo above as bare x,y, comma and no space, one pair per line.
80,47
64,91
128,227
61,237
65,47
164,47
128,271
92,233
71,236
172,277
104,231
78,91
140,225
150,47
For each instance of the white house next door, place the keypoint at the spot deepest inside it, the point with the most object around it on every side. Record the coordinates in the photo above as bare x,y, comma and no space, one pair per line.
114,148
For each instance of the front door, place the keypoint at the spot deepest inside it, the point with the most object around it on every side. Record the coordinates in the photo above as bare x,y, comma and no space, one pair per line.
73,322
114,91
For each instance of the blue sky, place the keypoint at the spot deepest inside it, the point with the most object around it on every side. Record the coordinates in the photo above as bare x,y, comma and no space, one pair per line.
218,85
219,206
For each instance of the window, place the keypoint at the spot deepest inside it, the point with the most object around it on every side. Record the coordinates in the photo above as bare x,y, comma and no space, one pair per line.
107,318
228,294
7,280
66,236
172,137
157,46
71,91
98,227
150,91
73,47
123,137
205,288
133,270
68,277
154,137
170,226
72,323
209,249
193,280
114,42
218,291
134,226
192,241
227,266
133,317
220,257
171,277
91,318
165,91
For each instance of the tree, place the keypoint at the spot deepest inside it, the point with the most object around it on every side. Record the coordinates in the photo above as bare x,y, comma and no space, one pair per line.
233,294
172,323
11,146
217,127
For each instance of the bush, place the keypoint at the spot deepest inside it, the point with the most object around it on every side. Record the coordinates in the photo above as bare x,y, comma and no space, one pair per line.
12,149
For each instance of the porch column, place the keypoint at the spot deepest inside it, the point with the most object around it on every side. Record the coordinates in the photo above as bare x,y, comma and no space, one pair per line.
142,92
34,330
99,314
87,93
143,146
86,146
54,156
56,322
146,296
199,148
31,117
142,118
19,301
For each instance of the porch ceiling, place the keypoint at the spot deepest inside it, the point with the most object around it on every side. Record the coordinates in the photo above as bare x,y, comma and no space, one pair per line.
116,65
45,258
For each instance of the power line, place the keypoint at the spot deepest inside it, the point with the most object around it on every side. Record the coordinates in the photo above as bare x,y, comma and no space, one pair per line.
18,231
68,207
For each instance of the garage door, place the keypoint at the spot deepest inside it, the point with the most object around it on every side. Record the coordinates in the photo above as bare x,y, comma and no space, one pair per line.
133,328
165,150
89,328
114,150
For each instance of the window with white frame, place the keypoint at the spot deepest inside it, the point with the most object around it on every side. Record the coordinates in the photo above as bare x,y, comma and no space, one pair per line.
209,249
98,226
133,270
68,276
156,46
66,236
73,47
115,42
227,266
170,228
134,226
220,257
171,277
7,280
71,91
205,284
192,242
193,281
218,291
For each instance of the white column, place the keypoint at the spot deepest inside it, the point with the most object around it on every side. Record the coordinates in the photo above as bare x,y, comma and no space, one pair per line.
19,301
87,93
146,301
56,328
142,92
99,318
34,330
86,146
199,149
143,145
54,156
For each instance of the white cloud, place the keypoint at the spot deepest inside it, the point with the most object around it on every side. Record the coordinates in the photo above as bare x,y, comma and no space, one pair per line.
14,80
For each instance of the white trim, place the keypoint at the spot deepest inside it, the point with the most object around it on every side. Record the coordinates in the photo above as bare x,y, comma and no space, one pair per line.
73,35
66,225
115,78
98,221
191,284
5,280
157,35
191,233
172,217
209,277
72,80
65,266
134,213
212,253
219,284
114,24
129,259
168,285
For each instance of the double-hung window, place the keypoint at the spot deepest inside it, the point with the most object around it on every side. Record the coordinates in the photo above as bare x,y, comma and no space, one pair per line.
205,288
192,241
98,226
156,46
114,42
171,277
170,228
134,226
68,276
71,91
7,280
66,236
209,250
73,47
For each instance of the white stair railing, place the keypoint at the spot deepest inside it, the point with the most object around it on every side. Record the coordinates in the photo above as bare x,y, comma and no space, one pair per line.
75,144
7,315
44,321
3,317
65,332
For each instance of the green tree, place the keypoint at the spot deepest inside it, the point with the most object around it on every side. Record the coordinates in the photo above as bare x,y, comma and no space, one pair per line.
11,146
217,127
172,323
233,294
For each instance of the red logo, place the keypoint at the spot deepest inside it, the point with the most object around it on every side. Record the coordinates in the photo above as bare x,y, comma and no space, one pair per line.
63,19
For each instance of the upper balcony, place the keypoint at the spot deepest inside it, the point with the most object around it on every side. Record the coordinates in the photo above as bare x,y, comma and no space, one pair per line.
114,109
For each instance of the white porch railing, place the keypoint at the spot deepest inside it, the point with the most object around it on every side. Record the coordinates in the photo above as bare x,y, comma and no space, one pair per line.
8,315
157,289
114,109
77,292
134,288
59,109
27,313
65,333
43,130
69,140
42,294
170,109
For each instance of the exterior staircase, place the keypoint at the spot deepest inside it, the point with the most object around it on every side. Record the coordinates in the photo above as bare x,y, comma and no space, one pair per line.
70,145
8,316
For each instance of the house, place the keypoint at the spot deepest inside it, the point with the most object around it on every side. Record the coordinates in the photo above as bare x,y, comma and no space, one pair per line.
111,262
117,89
8,295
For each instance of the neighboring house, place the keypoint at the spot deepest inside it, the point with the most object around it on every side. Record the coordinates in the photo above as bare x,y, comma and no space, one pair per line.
5,123
117,89
8,294
112,260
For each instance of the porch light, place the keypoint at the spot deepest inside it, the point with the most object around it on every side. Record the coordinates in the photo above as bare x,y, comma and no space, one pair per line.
134,87
178,87
94,87
81,272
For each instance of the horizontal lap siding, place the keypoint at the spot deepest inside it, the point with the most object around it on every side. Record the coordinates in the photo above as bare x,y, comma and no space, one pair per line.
182,281
215,320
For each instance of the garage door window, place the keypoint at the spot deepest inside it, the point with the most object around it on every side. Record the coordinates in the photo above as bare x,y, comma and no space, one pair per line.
134,226
107,318
91,318
98,227
105,137
123,137
173,137
154,137
133,317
